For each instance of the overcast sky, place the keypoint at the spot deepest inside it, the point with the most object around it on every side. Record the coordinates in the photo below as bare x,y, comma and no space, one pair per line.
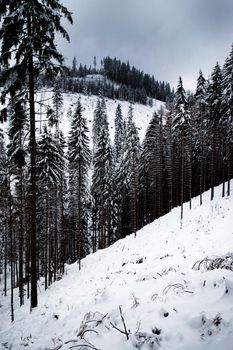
166,38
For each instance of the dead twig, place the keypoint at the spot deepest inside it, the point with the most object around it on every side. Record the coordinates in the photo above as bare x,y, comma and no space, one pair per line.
97,321
154,296
174,286
118,329
87,330
123,321
83,345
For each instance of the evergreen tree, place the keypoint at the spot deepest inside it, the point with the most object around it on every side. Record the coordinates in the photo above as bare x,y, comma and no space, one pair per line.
152,169
182,145
102,188
100,118
17,159
74,69
227,120
3,210
33,22
214,100
54,114
200,126
50,174
119,136
79,161
128,175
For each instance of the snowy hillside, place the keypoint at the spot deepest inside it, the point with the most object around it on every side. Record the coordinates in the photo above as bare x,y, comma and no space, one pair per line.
168,300
142,113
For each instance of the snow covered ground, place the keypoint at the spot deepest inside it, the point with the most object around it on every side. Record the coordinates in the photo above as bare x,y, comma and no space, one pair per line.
142,114
166,303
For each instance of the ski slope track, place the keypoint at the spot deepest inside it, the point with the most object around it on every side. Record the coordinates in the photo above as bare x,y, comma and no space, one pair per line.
165,303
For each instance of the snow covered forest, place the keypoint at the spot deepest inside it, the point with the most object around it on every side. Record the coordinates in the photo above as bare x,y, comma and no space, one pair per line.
75,180
116,80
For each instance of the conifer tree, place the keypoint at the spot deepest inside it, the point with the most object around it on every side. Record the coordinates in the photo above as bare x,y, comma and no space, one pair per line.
119,136
28,48
182,141
227,120
214,116
79,160
200,124
50,174
102,187
54,113
17,159
151,162
3,210
129,178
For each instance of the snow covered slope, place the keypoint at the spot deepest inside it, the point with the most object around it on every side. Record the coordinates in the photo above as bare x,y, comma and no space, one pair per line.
142,113
165,302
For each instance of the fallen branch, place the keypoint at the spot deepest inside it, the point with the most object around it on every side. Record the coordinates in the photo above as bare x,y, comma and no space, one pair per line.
154,296
81,345
123,321
97,321
175,286
125,332
71,341
87,330
188,291
118,329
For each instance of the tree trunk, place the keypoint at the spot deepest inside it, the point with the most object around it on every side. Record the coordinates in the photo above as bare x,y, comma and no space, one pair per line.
11,256
21,240
34,300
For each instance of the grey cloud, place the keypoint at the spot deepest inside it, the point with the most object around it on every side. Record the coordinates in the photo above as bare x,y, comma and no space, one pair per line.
166,38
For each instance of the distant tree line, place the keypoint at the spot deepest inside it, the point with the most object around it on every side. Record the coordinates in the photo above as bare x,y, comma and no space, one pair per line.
123,73
120,81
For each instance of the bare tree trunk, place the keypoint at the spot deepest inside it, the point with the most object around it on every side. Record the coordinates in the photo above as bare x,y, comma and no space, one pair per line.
182,177
21,240
5,258
11,255
46,243
34,300
228,172
63,240
80,236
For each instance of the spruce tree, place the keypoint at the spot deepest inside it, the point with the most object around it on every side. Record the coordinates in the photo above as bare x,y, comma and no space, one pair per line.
129,177
50,174
54,113
119,136
200,125
79,157
28,48
227,119
214,100
102,187
182,144
17,160
151,167
3,210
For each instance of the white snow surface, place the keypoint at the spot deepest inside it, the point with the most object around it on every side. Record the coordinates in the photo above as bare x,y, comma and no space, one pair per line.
142,114
161,291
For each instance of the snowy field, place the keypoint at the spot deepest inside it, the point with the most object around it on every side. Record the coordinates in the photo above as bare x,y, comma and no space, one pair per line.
168,301
142,113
